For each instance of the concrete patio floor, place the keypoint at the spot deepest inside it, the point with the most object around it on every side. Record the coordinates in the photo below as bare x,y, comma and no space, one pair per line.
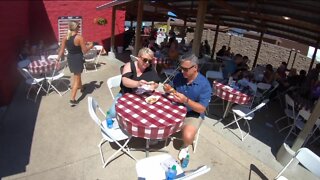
51,140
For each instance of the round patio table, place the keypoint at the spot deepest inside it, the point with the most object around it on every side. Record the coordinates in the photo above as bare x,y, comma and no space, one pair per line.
149,121
231,95
41,66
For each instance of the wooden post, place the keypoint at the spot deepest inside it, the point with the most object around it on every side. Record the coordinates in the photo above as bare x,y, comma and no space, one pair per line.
304,134
294,59
113,25
314,56
258,50
290,56
215,42
137,43
202,9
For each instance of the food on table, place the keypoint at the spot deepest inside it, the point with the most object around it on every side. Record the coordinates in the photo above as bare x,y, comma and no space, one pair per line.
152,99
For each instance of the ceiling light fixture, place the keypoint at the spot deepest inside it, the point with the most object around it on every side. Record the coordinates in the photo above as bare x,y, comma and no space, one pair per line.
286,17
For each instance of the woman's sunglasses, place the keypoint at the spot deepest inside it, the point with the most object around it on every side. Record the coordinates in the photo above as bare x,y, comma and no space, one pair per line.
145,60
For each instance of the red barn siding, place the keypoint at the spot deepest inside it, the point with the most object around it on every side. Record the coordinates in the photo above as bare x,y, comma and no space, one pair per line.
38,20
14,29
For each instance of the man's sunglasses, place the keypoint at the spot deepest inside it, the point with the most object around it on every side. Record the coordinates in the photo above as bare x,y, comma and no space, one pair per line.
185,69
145,60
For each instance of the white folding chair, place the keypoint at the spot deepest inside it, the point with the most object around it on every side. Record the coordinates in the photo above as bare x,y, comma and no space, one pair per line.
57,76
34,83
99,48
115,134
298,123
52,57
113,82
241,112
155,168
289,113
307,158
90,59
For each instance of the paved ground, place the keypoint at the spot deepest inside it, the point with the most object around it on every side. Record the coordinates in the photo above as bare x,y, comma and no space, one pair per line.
51,140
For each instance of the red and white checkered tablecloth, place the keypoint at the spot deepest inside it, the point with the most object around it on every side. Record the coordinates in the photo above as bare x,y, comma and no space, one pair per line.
41,66
227,93
149,121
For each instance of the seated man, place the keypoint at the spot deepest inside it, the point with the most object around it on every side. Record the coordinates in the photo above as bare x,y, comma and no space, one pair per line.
194,91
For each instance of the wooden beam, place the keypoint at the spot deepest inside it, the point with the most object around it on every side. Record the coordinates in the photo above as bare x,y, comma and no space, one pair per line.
307,128
113,25
215,42
258,50
202,9
137,43
314,55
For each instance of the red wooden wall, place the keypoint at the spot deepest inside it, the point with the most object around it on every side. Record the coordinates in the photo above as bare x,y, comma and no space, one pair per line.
38,20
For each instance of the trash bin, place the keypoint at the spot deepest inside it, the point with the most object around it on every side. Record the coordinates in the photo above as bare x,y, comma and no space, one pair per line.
120,49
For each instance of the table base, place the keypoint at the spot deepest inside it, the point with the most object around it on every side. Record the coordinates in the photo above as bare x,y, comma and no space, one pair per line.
147,149
225,113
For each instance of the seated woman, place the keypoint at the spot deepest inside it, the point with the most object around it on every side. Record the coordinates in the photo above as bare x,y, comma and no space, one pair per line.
135,74
268,76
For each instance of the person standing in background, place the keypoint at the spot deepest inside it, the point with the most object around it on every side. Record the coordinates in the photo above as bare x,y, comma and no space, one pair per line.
76,47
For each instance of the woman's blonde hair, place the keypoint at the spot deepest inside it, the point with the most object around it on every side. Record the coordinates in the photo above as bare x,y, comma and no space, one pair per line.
72,26
145,51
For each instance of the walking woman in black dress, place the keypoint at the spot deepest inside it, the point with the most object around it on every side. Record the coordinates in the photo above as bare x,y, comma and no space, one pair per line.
76,47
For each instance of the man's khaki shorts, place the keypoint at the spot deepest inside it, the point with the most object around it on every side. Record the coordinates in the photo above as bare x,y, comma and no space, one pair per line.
192,121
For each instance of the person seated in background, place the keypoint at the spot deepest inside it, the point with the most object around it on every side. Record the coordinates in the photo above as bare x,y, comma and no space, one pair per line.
173,50
231,67
281,72
207,47
25,50
136,74
268,76
228,52
153,45
222,51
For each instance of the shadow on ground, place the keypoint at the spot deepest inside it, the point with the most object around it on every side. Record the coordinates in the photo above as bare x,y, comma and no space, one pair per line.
17,133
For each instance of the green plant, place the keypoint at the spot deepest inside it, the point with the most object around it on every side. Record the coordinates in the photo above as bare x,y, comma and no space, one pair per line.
101,21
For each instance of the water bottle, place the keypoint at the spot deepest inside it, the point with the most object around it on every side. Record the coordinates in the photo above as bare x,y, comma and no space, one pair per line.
185,161
230,80
109,121
171,173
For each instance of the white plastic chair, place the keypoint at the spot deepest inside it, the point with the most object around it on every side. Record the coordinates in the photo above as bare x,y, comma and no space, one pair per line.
34,83
57,76
289,112
241,112
216,75
99,48
155,168
52,57
90,59
113,82
115,134
302,116
307,158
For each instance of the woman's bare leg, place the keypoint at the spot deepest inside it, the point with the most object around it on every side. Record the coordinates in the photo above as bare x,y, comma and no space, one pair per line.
76,84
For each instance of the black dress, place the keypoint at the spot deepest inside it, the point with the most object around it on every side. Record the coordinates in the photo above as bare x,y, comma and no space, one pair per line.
75,56
149,74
